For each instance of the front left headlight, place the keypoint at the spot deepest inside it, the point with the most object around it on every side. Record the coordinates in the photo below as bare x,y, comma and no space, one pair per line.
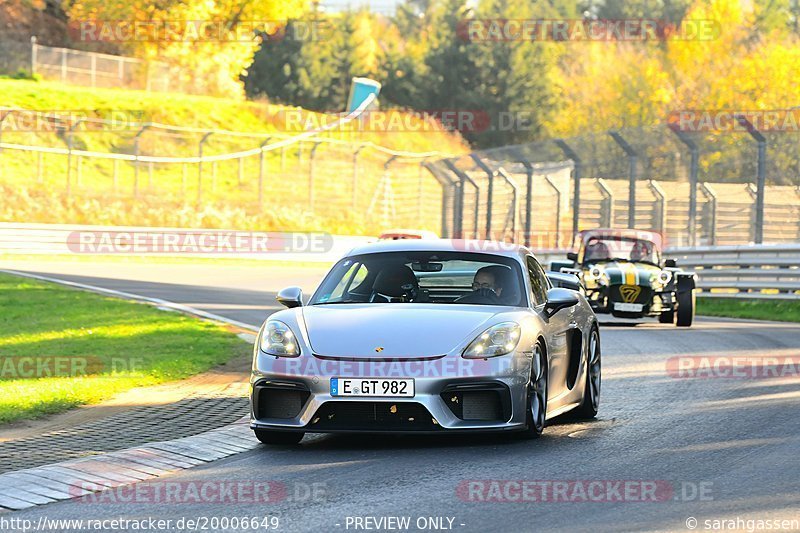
278,339
664,277
499,339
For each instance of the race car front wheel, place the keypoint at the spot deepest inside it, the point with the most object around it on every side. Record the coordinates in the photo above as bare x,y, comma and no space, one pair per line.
536,408
686,304
591,393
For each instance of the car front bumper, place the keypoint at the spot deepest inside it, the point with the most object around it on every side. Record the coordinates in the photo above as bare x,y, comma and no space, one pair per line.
451,393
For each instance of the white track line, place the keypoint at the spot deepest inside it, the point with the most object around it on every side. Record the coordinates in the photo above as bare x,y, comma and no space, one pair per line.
145,299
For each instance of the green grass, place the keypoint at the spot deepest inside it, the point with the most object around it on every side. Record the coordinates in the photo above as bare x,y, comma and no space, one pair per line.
114,345
782,310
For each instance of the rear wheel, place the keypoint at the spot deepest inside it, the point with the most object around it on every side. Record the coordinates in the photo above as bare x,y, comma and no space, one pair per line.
278,437
686,305
591,392
536,408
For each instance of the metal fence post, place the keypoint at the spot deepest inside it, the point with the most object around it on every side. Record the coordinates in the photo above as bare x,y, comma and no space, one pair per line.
34,55
694,166
489,192
514,200
458,208
661,196
607,214
577,167
528,194
355,174
261,172
311,176
558,209
632,160
448,192
761,175
711,196
200,165
136,159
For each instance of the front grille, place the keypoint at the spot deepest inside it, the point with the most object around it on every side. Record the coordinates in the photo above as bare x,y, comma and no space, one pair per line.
644,296
478,401
278,400
373,416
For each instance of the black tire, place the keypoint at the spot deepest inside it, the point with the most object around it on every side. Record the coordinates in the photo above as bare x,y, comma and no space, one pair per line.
667,317
686,305
284,438
536,399
591,392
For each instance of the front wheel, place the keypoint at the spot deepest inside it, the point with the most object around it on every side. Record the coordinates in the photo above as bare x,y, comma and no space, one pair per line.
536,408
686,306
591,391
267,436
667,317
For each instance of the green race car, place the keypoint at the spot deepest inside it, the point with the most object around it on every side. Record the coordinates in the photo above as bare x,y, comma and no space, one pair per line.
623,274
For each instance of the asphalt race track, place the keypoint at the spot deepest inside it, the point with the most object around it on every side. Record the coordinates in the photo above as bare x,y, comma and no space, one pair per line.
715,448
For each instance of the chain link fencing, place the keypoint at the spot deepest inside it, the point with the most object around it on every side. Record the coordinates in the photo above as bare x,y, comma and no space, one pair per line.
701,188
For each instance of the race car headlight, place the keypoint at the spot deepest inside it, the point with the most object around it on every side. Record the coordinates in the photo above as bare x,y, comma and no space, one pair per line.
664,277
596,273
499,339
278,339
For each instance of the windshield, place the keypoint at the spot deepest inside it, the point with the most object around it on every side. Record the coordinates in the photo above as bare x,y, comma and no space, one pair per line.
432,277
620,249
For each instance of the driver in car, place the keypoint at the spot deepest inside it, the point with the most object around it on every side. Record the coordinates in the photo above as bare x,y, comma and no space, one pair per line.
641,251
485,286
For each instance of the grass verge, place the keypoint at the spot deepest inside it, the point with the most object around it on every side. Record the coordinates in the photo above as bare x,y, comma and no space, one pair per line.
60,348
782,310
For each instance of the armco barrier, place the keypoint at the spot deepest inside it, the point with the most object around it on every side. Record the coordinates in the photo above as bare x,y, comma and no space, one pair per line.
754,271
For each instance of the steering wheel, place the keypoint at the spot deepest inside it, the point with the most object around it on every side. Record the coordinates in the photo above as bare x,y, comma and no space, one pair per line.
484,295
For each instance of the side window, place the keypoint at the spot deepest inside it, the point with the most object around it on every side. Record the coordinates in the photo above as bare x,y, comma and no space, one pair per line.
355,275
539,284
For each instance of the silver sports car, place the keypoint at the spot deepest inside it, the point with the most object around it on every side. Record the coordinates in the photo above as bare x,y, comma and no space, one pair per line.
427,336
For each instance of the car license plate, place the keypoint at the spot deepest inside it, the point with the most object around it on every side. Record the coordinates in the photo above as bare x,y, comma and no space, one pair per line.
390,388
628,308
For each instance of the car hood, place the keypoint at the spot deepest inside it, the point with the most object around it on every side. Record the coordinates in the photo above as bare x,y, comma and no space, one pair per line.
624,273
394,330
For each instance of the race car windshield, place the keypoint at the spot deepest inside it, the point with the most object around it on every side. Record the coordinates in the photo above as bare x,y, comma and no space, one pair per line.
426,277
620,249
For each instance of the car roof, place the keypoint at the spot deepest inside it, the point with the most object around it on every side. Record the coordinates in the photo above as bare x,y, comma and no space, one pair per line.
441,245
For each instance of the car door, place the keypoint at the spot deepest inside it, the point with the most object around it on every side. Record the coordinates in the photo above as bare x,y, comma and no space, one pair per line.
556,328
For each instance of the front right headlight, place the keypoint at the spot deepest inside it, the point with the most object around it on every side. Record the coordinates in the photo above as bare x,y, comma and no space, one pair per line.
499,339
278,339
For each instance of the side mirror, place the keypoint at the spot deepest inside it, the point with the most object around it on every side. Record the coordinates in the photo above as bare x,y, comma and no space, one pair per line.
558,299
291,297
572,256
670,263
